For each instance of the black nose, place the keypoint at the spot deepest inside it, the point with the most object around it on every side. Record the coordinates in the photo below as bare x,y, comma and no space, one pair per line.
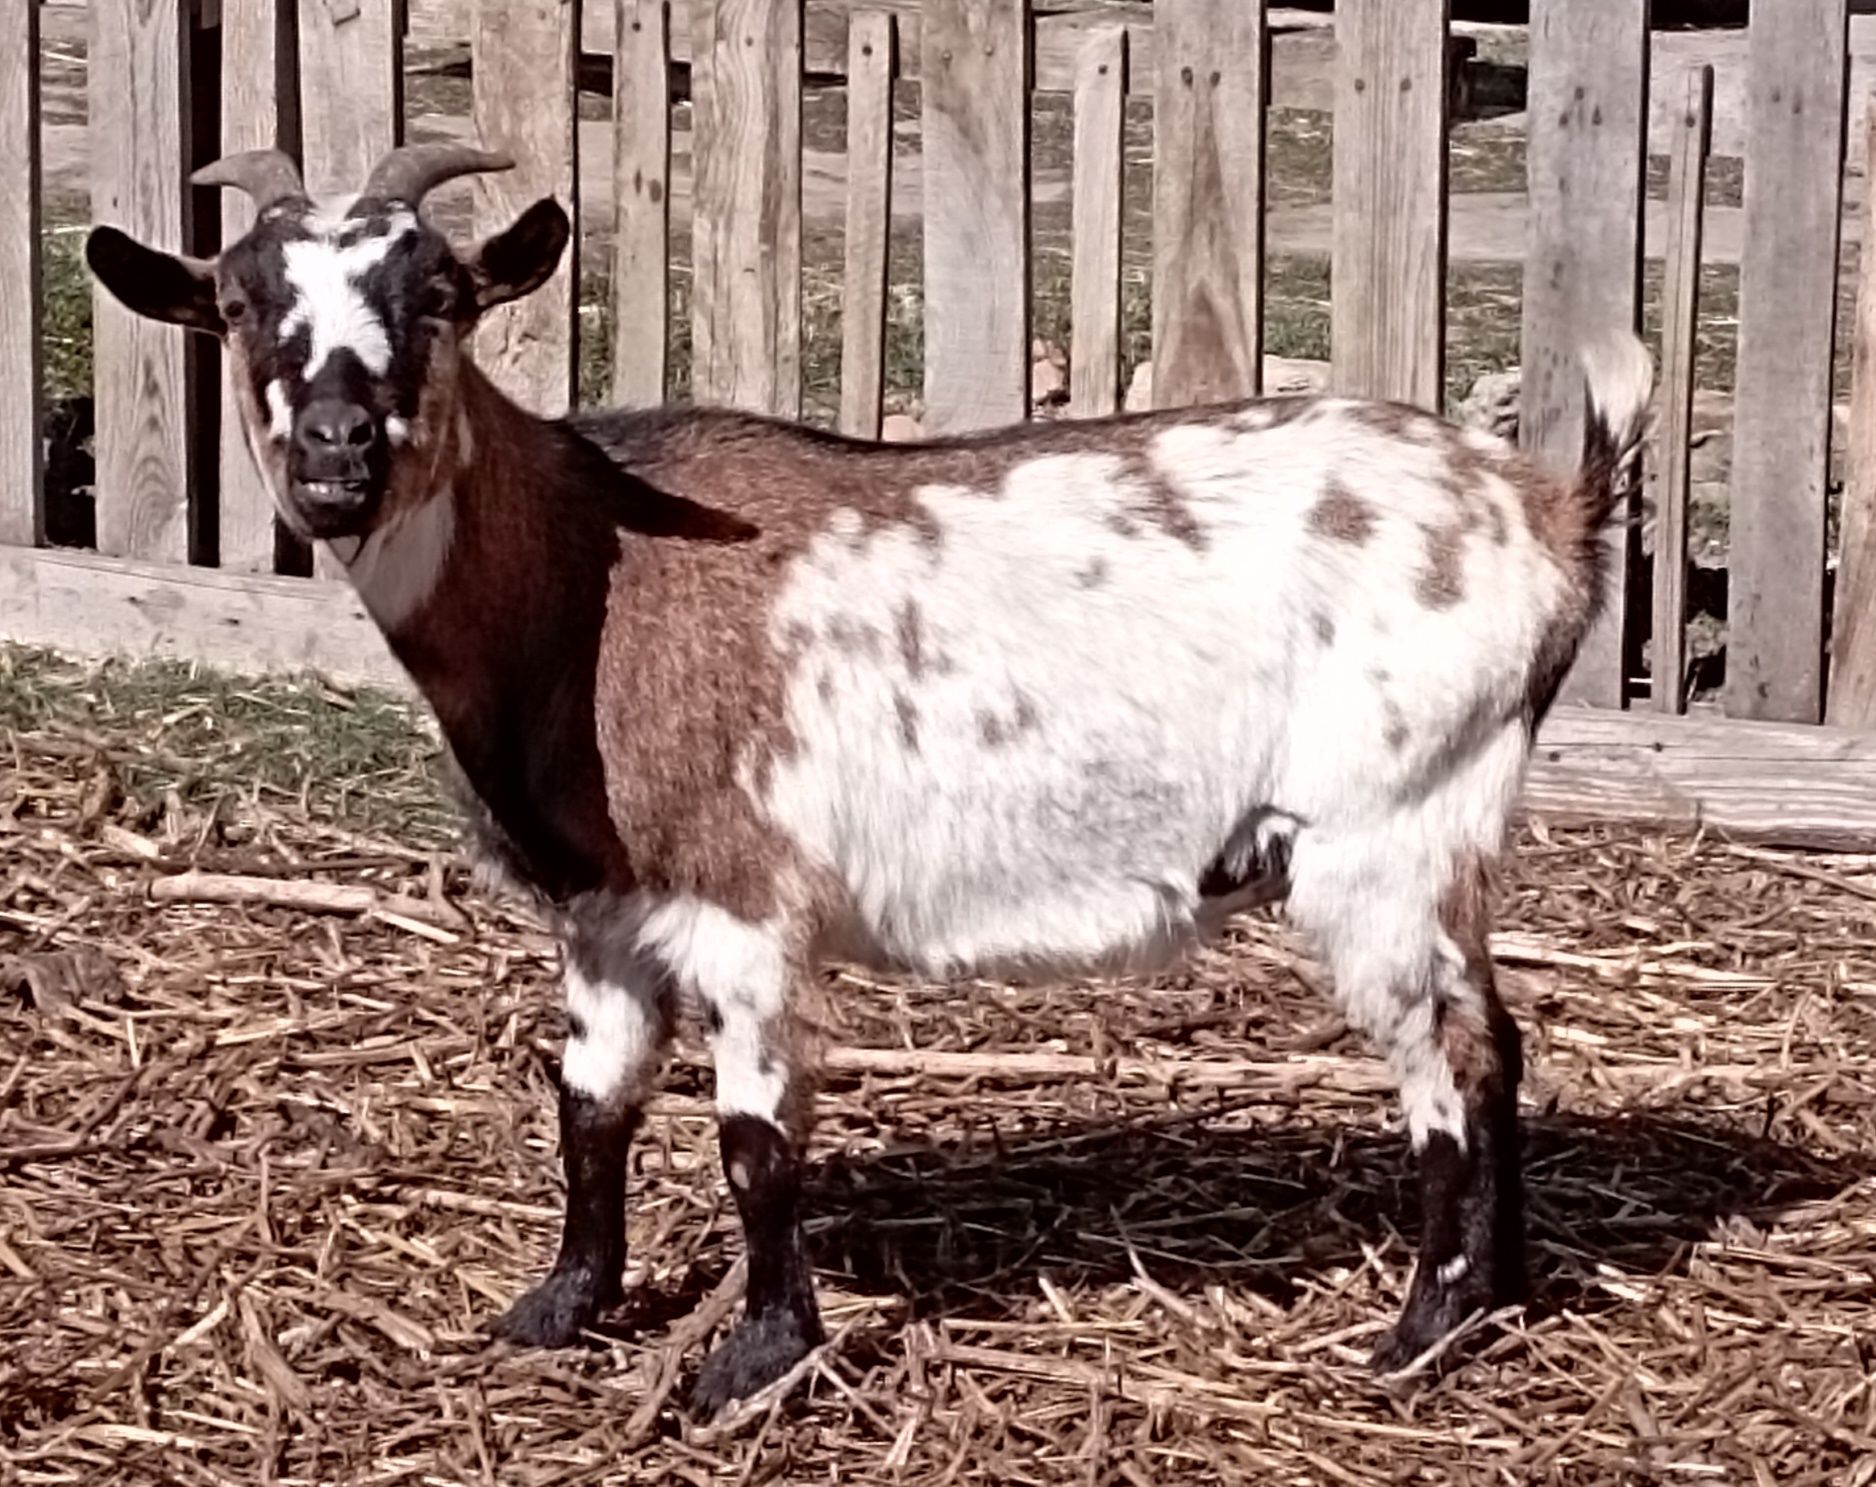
334,434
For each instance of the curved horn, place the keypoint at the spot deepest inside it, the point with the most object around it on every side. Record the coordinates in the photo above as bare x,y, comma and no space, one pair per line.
266,175
410,172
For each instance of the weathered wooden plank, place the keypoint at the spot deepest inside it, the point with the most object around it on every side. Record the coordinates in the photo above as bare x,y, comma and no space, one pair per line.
871,64
96,606
525,56
1388,325
1588,95
1791,785
1680,334
746,258
259,110
22,483
139,124
976,160
1797,86
1208,201
1094,272
351,90
641,204
1852,693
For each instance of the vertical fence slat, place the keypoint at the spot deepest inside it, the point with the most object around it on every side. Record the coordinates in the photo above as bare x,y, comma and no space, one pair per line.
140,148
746,153
1852,702
524,55
1094,286
1388,319
351,90
258,111
1680,335
1586,155
22,482
1797,90
871,62
641,202
1208,200
974,78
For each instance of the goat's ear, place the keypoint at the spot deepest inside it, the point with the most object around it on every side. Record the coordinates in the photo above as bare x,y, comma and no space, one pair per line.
520,258
163,286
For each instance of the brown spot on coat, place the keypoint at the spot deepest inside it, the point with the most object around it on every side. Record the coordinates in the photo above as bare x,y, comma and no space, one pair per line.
908,720
1341,515
1161,502
1442,580
911,634
1324,627
997,731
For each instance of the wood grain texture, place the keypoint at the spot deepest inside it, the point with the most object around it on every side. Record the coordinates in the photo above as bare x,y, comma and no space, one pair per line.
746,254
1785,784
1680,333
641,204
1388,317
871,63
1095,245
22,467
976,160
1797,84
1208,201
1852,693
259,110
525,56
1588,95
139,124
96,606
351,90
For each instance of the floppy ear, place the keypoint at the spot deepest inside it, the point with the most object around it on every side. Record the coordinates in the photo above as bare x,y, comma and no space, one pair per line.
163,286
520,258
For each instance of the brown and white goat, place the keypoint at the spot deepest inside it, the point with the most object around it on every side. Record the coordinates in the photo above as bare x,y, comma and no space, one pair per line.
735,695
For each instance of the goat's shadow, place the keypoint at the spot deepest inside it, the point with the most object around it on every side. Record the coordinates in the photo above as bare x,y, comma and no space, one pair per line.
968,1230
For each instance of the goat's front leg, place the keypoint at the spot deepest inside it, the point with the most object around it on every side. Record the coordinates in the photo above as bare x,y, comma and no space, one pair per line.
762,1120
619,1019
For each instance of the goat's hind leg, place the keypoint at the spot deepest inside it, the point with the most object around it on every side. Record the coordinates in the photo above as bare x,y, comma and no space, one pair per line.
620,1019
1413,967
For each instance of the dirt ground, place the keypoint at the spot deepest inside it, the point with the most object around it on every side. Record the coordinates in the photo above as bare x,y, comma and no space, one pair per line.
265,1172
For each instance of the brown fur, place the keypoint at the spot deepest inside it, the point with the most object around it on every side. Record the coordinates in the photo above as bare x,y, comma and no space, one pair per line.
1341,515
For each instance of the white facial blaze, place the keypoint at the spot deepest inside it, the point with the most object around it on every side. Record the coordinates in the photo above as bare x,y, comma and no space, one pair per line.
326,277
279,412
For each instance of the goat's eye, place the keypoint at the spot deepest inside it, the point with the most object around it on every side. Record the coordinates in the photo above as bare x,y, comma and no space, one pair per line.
234,310
439,299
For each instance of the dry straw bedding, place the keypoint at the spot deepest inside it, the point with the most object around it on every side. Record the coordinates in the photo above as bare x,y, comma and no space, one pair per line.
266,1168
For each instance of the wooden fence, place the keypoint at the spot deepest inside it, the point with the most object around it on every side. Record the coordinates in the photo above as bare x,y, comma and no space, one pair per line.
188,554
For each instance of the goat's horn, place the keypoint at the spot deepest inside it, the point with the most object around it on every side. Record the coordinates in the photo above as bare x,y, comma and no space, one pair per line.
266,175
410,172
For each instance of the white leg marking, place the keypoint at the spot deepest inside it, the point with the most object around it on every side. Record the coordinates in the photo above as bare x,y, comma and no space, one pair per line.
740,972
1454,1270
619,1030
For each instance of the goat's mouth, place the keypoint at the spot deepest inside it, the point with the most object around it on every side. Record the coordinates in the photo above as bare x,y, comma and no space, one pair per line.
333,508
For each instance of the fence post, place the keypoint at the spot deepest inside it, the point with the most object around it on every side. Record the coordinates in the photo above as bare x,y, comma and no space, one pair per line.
1680,334
746,204
1587,153
524,56
22,474
139,123
1798,85
1388,319
974,81
1853,630
259,110
1208,200
641,202
871,62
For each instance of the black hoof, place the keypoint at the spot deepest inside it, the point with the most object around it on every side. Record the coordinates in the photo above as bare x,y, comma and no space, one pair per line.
1432,1311
758,1351
554,1313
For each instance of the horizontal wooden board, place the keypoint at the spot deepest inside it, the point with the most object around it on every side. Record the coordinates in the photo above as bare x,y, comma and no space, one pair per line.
1785,784
88,605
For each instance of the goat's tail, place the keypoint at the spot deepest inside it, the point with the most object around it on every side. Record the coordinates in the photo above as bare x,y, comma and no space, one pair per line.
1619,378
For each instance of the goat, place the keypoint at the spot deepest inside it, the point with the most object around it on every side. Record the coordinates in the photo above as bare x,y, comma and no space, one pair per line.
735,696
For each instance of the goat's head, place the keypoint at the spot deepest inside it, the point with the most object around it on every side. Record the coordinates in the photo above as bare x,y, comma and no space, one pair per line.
345,324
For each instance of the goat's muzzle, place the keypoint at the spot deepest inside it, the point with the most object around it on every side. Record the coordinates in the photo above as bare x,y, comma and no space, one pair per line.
336,466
